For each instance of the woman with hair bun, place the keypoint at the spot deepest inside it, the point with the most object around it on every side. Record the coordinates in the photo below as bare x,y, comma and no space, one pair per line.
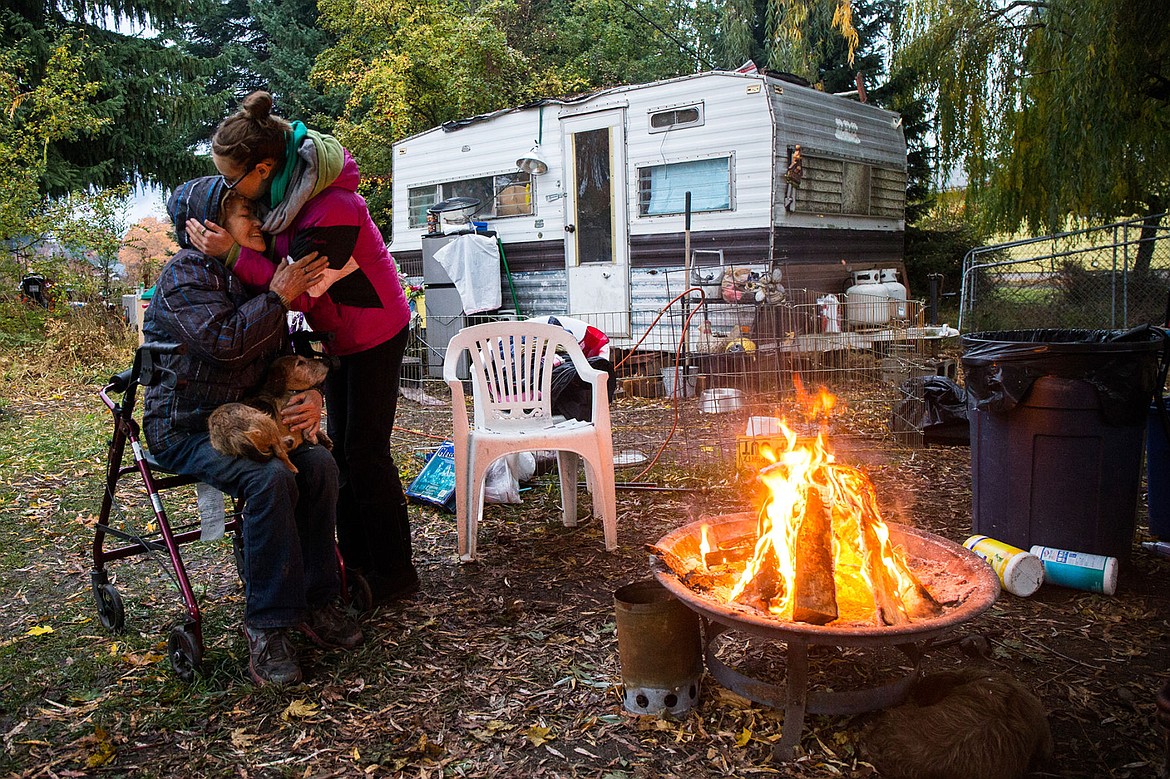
307,182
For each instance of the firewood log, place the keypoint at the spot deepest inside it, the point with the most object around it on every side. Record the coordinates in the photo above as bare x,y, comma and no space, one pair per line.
766,586
814,589
919,603
675,563
885,588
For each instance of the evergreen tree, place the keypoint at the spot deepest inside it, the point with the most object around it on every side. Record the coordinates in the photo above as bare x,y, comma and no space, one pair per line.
289,44
260,44
148,94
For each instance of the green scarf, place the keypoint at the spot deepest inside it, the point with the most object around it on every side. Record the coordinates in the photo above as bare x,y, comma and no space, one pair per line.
312,162
280,181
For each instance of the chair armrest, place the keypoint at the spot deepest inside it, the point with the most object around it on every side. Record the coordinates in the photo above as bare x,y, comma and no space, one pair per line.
458,397
600,381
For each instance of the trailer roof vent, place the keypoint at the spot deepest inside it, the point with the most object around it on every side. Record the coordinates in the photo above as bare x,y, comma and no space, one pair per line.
676,117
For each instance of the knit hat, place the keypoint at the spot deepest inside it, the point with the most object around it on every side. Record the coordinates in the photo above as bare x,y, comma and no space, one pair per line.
200,199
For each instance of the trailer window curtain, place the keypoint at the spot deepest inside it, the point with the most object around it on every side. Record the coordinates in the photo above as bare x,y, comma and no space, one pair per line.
662,188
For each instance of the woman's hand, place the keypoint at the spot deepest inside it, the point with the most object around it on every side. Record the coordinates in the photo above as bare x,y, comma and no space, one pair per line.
293,279
209,238
303,413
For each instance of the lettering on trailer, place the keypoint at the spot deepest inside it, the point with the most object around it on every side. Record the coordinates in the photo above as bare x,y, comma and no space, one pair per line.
847,131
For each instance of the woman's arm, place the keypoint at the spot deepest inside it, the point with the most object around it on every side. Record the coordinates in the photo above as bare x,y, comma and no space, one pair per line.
193,303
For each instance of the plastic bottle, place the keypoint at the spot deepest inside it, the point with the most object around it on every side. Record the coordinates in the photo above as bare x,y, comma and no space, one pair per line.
1021,573
1078,570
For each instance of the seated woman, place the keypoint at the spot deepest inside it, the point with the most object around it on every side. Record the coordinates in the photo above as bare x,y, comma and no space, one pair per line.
231,334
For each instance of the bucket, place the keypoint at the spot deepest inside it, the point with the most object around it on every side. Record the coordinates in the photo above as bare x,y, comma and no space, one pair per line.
659,649
689,376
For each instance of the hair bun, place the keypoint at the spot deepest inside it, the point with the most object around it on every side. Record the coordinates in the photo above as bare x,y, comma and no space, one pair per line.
257,105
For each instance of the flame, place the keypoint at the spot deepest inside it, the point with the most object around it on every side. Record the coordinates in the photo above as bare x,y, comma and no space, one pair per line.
870,576
814,407
704,543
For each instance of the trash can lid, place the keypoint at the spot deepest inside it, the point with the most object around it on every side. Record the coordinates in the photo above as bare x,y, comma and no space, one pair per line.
1006,343
1122,365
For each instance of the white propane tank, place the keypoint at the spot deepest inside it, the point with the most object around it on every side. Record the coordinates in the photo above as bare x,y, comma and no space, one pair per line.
867,304
895,291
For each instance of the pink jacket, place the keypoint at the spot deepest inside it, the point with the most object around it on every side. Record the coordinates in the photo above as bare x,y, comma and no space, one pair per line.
357,324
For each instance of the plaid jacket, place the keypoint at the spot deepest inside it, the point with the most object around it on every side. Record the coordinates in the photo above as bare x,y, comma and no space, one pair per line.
231,335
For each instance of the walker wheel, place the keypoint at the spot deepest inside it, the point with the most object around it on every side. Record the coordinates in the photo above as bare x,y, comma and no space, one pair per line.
185,652
361,597
109,607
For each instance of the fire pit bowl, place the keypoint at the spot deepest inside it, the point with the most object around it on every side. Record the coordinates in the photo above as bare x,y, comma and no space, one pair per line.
726,530
979,589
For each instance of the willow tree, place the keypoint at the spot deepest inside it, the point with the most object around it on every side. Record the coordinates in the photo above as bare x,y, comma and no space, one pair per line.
1051,108
797,36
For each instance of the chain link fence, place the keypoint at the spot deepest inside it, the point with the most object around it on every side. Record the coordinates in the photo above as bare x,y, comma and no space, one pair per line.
1109,277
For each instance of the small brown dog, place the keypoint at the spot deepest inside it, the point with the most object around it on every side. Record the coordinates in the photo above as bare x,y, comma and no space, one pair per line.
254,429
968,724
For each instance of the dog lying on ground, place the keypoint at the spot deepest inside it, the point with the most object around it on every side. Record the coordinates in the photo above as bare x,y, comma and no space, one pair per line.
967,724
253,429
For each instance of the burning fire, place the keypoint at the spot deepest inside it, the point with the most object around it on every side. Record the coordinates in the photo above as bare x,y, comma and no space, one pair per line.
822,551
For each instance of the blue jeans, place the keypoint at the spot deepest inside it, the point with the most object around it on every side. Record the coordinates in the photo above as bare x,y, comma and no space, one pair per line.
289,525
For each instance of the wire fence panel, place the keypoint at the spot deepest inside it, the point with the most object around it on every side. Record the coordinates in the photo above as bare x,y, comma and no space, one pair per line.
1109,277
707,385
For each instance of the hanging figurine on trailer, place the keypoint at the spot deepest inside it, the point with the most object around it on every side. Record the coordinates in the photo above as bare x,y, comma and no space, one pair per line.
792,178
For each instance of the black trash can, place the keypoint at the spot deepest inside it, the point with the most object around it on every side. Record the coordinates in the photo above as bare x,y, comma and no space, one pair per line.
1058,419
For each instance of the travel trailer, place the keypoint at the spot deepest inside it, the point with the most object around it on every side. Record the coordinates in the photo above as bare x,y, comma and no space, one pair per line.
589,196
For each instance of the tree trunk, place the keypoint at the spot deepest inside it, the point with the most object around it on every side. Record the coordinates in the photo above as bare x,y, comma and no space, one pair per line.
1149,235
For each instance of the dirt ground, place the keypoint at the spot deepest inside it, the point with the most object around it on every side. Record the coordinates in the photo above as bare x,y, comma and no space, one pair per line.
509,667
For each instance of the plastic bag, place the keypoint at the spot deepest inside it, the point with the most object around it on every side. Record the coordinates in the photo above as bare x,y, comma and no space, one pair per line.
501,482
932,401
1122,365
499,485
522,465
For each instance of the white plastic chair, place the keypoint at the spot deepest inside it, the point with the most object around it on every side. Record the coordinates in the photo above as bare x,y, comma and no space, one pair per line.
511,379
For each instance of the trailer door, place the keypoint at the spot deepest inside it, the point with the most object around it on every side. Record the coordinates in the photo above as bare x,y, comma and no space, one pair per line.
596,239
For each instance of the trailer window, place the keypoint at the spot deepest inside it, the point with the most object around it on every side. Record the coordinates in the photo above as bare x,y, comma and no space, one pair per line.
418,200
662,188
676,118
509,194
514,194
834,185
